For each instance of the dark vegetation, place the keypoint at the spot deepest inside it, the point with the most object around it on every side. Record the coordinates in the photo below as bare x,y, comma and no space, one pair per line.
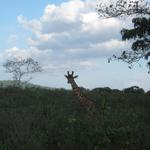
53,119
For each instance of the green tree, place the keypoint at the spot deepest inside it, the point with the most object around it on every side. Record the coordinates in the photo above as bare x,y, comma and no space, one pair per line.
140,32
141,45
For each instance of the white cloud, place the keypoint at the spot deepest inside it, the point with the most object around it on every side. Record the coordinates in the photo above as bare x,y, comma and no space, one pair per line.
34,25
98,50
16,52
70,35
66,12
87,64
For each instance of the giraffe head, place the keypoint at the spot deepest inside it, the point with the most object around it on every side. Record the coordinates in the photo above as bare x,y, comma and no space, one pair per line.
70,76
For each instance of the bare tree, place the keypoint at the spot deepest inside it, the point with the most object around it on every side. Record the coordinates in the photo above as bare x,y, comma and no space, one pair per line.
20,67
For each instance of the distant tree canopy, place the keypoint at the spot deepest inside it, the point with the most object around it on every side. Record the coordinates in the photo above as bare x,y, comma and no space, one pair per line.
53,119
140,32
20,67
133,89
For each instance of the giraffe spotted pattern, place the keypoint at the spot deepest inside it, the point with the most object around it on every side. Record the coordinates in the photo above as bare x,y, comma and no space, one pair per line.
89,104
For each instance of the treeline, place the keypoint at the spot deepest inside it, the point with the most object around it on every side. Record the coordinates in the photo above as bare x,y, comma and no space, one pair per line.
44,119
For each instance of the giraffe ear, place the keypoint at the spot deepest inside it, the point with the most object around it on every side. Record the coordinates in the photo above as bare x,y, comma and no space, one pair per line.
68,73
66,76
75,76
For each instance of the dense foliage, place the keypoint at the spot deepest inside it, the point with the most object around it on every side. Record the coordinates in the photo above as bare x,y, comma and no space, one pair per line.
139,34
141,45
44,119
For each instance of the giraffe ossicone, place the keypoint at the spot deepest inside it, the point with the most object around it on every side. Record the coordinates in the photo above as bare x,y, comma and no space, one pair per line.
70,76
83,99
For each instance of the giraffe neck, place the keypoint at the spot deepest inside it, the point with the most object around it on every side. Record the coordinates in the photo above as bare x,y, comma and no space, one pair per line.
83,100
75,88
74,84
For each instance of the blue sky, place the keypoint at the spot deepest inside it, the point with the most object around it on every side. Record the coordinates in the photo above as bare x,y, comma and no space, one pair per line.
67,35
11,9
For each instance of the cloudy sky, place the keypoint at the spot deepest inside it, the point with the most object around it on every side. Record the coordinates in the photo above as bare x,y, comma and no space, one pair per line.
67,35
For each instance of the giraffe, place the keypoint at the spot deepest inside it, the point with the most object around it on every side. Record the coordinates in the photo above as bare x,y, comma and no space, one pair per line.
87,103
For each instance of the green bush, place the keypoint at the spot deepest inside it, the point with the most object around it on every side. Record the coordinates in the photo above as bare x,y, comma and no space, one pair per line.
43,119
